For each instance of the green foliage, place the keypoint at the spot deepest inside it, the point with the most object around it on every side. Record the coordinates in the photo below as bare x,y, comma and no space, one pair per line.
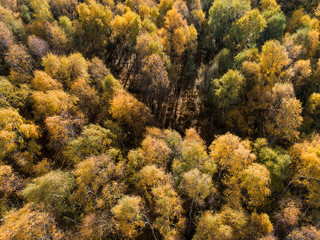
52,190
228,89
223,13
93,140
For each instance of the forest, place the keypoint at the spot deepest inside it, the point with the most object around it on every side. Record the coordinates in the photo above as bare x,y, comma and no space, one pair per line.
160,119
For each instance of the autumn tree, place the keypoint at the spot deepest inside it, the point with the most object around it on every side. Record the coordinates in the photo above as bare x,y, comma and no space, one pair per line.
97,182
306,161
272,61
66,69
231,154
129,112
260,226
192,153
20,62
30,222
275,18
16,133
284,117
255,181
51,103
61,128
94,19
170,221
129,215
277,161
224,225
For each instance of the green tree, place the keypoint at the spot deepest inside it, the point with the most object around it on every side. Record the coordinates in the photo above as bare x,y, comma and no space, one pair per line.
53,189
228,89
222,14
246,31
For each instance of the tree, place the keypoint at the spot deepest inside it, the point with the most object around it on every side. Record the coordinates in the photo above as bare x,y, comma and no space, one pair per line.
284,117
277,161
231,154
98,184
276,20
306,168
51,103
196,186
62,128
129,215
17,134
30,222
255,181
43,82
53,189
20,62
66,69
246,31
306,232
93,140
228,89
225,225
312,109
153,81
88,97
192,153
6,38
156,151
94,19
150,177
41,10
38,47
10,184
63,7
272,61
168,207
289,213
222,14
260,225
129,112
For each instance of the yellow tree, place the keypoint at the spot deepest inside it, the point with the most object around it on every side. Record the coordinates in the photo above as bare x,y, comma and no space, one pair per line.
93,140
129,216
272,61
255,181
98,184
170,221
43,82
225,225
51,103
307,168
94,20
17,134
231,154
129,112
284,114
30,222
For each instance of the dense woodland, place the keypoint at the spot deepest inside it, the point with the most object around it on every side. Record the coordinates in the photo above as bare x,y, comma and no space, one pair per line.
160,119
